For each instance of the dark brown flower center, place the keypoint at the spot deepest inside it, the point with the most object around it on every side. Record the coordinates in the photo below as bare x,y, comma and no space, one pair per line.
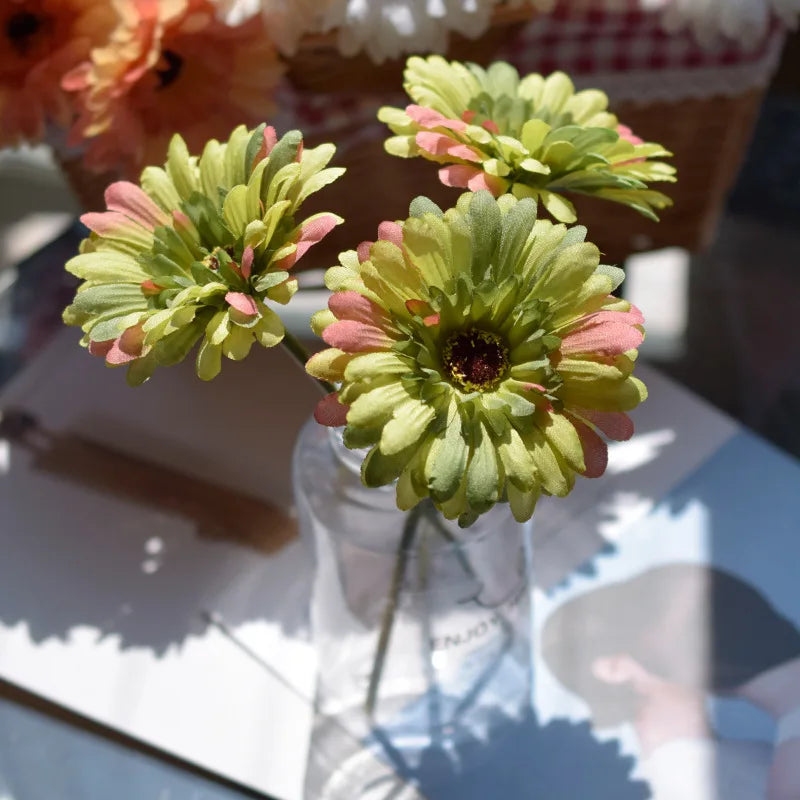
21,28
169,73
476,360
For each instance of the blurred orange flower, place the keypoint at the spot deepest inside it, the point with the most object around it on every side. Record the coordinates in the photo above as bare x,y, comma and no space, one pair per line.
40,40
170,66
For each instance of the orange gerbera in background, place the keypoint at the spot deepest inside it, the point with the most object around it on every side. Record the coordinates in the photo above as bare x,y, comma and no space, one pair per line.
170,66
40,40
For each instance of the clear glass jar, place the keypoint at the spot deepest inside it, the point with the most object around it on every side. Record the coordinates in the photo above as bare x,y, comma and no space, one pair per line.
444,613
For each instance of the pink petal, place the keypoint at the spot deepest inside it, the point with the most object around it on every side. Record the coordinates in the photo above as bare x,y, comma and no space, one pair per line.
363,251
468,116
247,262
614,424
595,452
428,118
606,338
432,320
330,411
491,126
242,302
352,305
439,144
535,387
299,155
129,199
355,337
310,233
391,232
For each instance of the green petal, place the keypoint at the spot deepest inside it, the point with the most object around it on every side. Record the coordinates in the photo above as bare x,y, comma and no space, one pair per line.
483,478
407,426
446,463
238,343
209,361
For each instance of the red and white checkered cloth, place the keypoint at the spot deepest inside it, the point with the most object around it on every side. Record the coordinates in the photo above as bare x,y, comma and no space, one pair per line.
587,37
607,44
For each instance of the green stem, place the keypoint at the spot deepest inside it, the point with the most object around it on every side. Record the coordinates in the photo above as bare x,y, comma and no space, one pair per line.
301,355
410,530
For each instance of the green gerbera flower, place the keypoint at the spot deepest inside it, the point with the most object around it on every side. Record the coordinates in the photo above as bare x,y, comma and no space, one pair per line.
479,354
534,137
198,251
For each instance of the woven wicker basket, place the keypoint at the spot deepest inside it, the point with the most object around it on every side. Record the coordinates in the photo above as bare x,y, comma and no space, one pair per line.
708,137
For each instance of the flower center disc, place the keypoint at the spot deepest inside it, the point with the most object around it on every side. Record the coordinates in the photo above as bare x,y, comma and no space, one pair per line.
476,360
21,28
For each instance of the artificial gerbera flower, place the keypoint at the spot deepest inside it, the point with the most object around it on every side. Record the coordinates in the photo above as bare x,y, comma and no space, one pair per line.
479,354
534,137
40,40
170,66
198,251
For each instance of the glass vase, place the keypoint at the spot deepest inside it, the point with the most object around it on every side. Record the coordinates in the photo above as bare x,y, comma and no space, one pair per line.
422,630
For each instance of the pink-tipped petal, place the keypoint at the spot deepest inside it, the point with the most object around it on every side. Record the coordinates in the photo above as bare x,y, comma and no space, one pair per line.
490,183
439,144
127,198
391,232
457,175
180,220
150,287
268,143
247,262
628,135
418,308
468,116
491,126
109,223
595,452
127,347
101,348
331,412
535,387
242,302
428,118
352,305
363,251
355,337
299,157
432,320
310,233
614,424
